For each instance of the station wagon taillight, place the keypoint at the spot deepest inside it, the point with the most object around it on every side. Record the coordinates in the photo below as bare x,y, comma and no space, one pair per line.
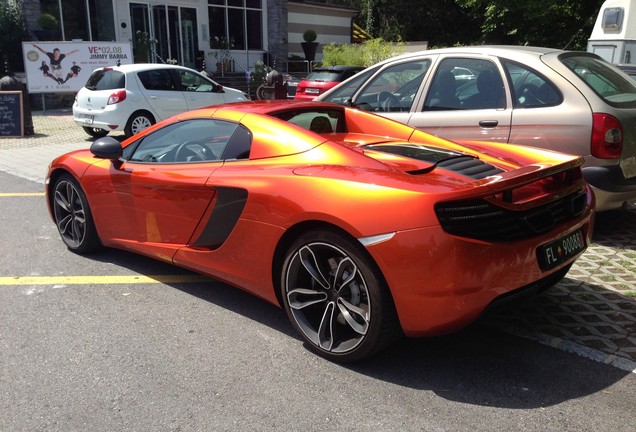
607,137
118,96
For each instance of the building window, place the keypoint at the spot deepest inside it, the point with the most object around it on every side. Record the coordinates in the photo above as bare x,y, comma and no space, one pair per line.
239,21
74,17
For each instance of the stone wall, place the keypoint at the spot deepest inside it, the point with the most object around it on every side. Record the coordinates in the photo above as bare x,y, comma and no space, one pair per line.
30,13
277,31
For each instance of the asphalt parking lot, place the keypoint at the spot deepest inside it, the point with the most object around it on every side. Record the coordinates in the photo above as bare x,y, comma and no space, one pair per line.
592,312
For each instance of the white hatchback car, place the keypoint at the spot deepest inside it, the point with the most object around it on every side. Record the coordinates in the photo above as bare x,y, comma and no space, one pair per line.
136,96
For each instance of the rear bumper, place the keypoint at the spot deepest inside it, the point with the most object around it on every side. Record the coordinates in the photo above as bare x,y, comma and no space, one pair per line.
441,283
611,188
99,119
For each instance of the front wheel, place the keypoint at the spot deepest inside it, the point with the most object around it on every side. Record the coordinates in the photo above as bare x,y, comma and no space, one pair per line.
336,297
73,216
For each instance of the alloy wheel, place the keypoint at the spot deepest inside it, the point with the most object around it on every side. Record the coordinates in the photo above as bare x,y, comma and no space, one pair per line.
70,214
328,297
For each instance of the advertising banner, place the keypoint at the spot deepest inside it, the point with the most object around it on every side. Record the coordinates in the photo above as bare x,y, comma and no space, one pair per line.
59,67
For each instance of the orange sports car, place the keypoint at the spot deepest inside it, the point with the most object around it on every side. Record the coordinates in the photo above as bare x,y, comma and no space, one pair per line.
363,229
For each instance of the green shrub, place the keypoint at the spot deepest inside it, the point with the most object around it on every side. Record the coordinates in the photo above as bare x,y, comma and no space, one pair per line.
309,35
365,54
47,21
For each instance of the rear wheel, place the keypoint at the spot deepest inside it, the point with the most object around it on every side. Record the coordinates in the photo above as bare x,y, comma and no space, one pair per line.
73,216
95,132
138,122
336,297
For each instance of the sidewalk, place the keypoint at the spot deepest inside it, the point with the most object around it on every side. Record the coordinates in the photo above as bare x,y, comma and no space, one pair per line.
55,134
592,312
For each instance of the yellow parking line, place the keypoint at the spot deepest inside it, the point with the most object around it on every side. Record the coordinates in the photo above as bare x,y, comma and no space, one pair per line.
20,194
100,280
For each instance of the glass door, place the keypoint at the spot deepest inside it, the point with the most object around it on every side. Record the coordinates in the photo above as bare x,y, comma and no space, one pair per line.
190,42
164,33
161,33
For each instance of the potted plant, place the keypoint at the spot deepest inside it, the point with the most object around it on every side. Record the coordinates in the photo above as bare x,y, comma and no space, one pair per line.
221,50
310,44
50,28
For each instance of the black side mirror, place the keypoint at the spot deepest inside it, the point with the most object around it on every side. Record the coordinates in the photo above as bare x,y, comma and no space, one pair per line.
107,148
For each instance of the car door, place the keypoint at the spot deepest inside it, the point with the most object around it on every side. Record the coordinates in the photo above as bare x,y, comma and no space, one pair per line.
542,115
466,97
162,188
161,93
197,90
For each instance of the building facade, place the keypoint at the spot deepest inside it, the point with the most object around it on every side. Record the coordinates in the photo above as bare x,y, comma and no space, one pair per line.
191,31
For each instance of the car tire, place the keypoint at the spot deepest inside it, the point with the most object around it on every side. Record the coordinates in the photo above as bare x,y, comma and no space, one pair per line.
137,122
95,132
336,297
73,216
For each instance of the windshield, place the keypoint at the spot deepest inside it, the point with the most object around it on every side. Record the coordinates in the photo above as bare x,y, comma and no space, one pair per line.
346,90
615,89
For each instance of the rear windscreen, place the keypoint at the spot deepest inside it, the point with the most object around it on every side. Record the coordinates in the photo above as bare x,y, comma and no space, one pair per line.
106,79
611,86
323,76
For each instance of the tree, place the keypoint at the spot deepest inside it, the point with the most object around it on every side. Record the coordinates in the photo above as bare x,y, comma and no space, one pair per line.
439,22
551,23
12,34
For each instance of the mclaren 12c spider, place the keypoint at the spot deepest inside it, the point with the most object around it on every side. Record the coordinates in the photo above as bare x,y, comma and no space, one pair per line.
362,228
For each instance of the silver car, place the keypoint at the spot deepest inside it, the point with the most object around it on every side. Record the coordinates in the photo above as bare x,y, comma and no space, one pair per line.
567,101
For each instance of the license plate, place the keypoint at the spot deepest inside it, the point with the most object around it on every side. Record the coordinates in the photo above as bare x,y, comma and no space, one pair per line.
559,251
88,119
312,90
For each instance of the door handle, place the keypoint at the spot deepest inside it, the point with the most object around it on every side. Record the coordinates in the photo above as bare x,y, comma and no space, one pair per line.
488,124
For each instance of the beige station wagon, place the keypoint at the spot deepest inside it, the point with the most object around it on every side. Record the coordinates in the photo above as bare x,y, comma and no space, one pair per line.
568,101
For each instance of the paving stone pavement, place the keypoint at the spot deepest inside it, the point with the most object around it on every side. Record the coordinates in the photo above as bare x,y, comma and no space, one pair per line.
591,312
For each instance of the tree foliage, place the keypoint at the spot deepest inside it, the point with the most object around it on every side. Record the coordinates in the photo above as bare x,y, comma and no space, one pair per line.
552,23
440,22
12,34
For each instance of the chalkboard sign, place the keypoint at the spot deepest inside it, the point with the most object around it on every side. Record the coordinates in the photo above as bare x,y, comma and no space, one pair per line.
11,114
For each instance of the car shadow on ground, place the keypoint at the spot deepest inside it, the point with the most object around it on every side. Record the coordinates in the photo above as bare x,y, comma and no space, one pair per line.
616,227
479,365
486,364
486,367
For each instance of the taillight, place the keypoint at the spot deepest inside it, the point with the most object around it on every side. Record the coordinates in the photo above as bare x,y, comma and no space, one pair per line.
118,96
607,137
